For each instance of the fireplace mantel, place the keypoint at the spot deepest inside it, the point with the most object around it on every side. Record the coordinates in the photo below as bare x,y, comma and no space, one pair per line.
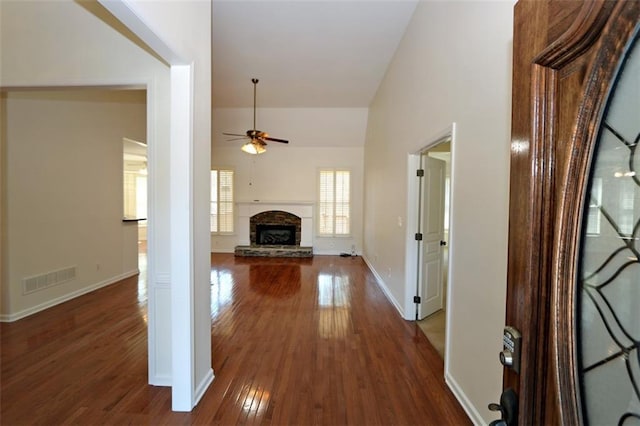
302,209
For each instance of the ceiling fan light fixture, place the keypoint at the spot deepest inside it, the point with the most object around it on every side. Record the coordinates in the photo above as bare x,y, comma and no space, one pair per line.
252,147
257,138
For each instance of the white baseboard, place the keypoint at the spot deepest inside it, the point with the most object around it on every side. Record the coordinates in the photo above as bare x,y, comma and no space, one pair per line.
384,287
468,407
65,298
160,381
203,386
317,252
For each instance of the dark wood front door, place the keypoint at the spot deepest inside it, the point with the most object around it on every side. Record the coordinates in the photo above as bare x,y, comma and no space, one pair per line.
568,58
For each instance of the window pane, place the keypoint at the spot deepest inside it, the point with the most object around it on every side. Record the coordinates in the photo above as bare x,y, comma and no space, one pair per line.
334,203
326,201
129,194
222,201
135,194
214,201
342,187
214,186
226,201
326,218
226,217
141,196
342,218
342,202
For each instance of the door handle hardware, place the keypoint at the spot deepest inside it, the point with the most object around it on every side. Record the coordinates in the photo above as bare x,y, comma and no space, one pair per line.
508,409
443,243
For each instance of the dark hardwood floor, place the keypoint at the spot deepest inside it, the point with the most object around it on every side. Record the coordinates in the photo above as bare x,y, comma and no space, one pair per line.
294,342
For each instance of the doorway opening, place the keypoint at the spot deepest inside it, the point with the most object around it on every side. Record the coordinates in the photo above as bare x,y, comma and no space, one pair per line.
135,165
429,251
76,132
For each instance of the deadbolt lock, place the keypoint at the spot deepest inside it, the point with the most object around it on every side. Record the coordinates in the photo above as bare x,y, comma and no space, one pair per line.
506,358
511,348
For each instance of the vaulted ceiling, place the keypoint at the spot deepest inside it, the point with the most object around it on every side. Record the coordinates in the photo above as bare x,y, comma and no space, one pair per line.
305,53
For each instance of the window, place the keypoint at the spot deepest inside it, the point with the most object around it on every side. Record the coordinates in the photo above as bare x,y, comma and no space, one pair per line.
221,201
334,204
134,179
135,194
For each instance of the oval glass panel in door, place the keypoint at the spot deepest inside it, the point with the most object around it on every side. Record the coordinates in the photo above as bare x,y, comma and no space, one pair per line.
609,277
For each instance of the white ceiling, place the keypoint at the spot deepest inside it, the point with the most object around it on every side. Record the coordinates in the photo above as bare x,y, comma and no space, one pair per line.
305,53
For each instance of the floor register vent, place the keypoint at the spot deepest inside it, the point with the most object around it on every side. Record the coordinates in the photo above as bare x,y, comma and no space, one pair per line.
38,282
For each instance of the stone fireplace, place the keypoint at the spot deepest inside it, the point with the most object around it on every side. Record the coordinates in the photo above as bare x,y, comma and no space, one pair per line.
275,229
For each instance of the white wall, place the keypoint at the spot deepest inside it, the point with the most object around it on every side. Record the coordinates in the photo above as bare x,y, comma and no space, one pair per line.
64,192
453,65
319,137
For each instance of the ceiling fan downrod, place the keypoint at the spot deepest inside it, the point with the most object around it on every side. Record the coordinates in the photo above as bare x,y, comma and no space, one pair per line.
255,85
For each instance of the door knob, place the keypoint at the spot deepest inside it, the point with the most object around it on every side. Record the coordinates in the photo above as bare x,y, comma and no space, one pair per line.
443,243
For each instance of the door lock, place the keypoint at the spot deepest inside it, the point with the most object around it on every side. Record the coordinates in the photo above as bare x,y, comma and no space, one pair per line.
511,347
506,358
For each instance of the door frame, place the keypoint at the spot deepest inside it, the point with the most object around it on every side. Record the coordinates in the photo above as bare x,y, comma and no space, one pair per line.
559,48
411,249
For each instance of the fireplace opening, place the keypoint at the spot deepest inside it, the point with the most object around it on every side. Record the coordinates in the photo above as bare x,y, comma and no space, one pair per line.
275,228
275,235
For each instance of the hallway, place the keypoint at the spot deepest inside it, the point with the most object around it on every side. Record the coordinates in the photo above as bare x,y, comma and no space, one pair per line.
295,342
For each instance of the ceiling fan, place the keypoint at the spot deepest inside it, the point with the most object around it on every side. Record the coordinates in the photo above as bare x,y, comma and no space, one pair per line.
257,138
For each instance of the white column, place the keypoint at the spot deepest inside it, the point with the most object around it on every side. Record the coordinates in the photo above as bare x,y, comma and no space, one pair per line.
182,282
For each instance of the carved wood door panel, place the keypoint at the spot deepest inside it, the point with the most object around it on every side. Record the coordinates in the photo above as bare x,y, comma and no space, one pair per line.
574,221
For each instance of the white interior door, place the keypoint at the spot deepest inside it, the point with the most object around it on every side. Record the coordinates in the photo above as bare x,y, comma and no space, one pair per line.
431,278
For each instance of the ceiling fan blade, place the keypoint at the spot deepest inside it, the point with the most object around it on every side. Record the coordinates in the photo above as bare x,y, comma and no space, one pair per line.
237,139
276,140
233,134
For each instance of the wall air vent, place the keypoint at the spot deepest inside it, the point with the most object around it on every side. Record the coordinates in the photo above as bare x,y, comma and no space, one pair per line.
39,282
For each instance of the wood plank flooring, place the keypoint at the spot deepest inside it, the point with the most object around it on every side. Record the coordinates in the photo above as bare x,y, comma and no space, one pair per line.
294,342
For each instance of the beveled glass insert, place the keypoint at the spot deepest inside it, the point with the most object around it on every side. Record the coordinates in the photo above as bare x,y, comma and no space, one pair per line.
609,277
